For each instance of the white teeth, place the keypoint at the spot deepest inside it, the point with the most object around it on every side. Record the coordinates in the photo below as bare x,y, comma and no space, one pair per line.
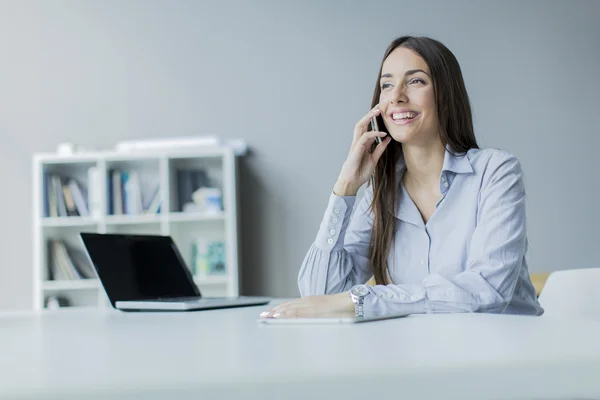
404,115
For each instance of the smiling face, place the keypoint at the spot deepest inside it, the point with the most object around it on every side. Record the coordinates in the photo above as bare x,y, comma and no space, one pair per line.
407,98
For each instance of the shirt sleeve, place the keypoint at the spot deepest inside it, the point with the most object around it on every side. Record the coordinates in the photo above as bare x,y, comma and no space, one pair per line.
496,254
339,256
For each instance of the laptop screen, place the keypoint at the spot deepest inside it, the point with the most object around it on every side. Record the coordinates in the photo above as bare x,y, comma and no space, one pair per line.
139,267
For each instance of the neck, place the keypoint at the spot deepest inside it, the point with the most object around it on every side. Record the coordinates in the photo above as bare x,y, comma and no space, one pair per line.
424,163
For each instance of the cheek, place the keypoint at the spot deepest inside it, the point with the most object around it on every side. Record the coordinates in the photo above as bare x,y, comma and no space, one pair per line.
383,97
428,99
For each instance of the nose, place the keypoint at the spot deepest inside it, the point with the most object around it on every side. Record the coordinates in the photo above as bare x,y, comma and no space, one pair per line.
398,96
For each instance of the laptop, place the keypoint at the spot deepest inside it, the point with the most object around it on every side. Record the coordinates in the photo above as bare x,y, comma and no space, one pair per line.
147,273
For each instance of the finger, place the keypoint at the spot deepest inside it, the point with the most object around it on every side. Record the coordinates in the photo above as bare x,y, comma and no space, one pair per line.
296,309
269,313
296,312
363,124
291,313
279,308
368,137
380,148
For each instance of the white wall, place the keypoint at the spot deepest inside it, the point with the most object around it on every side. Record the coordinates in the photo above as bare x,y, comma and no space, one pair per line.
292,78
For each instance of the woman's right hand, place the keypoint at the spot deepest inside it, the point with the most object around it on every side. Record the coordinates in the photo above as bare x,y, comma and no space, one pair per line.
360,164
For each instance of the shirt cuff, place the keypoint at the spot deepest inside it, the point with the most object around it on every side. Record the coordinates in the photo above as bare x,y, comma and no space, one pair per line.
335,221
396,299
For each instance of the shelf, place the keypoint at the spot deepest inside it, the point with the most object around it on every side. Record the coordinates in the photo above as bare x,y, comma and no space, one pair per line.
82,284
211,280
68,221
153,168
195,216
92,308
132,219
79,158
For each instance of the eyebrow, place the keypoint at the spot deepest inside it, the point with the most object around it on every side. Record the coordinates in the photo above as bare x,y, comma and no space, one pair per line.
407,73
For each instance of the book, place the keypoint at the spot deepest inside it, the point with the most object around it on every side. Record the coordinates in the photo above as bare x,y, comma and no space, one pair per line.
65,262
78,198
94,192
69,202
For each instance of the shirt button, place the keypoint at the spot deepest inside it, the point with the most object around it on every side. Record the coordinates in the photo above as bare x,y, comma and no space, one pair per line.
337,211
390,295
414,297
334,220
443,179
330,240
402,296
332,232
446,184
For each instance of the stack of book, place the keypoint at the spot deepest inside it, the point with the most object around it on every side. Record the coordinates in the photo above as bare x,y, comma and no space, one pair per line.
125,194
64,197
67,263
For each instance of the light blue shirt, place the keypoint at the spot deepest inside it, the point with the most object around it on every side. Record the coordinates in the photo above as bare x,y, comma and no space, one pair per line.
469,257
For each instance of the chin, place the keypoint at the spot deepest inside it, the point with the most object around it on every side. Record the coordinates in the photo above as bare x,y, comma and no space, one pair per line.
402,137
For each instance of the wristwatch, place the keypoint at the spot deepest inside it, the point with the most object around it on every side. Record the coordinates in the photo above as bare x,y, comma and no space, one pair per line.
358,294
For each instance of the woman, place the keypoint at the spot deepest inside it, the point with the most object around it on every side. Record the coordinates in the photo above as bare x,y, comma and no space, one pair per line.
441,226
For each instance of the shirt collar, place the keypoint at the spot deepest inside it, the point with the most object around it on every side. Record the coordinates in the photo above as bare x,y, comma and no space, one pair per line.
458,163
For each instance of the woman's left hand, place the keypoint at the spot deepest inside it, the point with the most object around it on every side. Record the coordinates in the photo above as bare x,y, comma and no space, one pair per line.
332,305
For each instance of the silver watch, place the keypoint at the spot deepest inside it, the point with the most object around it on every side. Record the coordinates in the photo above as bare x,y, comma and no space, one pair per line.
358,294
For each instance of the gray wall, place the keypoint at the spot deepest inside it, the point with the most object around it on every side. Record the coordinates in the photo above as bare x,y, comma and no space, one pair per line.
292,77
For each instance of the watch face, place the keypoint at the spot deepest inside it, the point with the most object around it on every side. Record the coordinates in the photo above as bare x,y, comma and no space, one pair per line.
360,290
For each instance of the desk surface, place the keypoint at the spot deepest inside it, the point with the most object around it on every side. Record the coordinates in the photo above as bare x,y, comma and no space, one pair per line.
226,354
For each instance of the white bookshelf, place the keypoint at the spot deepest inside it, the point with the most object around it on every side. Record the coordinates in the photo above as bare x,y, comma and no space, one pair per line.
155,168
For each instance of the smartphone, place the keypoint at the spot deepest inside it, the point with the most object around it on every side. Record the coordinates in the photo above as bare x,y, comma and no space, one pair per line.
375,127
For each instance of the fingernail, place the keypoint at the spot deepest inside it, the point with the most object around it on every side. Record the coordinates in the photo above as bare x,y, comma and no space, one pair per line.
276,315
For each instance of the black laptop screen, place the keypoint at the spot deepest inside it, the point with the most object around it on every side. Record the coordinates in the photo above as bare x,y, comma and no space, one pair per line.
139,267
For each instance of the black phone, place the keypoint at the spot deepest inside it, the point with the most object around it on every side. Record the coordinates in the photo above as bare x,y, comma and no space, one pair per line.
375,127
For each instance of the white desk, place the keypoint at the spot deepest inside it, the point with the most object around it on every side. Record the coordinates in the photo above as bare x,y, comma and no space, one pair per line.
225,354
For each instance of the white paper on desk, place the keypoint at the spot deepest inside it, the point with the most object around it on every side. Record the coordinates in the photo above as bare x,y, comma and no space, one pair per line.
330,320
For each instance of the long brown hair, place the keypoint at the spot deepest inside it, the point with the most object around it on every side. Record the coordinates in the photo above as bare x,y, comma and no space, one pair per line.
455,128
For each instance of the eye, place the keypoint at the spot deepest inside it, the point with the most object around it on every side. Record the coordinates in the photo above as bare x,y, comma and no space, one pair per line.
385,86
416,80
